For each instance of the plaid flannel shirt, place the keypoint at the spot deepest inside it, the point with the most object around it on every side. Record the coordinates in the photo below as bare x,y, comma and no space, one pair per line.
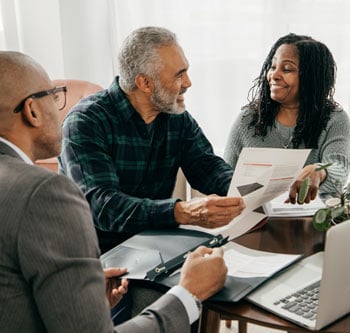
126,172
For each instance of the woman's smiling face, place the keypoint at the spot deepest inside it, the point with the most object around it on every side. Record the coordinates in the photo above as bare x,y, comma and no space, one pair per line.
283,75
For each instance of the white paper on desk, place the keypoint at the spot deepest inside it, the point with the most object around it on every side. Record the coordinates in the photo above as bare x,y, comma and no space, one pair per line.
245,262
277,207
261,174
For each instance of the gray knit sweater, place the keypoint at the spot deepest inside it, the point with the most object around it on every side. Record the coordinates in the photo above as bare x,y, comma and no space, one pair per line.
333,143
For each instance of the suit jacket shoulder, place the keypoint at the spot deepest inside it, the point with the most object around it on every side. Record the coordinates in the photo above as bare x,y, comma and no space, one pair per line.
49,263
50,267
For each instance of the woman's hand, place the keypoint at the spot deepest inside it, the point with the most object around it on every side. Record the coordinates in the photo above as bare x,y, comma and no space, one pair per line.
315,179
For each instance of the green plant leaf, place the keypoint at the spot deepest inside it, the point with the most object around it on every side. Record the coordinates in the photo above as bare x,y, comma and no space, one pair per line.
323,166
339,212
321,219
304,188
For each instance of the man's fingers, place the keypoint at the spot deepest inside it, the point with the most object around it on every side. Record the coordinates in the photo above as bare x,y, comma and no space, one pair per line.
202,250
227,201
114,272
218,251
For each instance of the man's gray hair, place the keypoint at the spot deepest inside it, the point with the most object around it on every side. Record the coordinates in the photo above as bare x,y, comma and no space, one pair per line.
139,54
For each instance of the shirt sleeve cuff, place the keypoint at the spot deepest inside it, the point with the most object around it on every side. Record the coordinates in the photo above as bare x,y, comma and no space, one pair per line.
162,213
188,302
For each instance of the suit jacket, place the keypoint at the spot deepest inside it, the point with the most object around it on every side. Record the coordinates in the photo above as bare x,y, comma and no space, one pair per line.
51,278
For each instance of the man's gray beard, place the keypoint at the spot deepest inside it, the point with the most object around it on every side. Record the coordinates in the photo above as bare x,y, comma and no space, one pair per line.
175,110
159,100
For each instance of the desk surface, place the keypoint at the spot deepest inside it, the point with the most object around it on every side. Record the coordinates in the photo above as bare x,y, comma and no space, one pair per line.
284,235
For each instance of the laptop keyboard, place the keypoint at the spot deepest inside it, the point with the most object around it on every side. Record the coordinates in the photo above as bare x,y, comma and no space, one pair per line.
303,303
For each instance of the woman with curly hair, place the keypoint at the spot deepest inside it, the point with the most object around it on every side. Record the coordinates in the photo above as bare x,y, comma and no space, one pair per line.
291,105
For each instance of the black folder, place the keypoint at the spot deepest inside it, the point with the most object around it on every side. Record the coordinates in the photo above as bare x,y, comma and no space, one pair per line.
156,255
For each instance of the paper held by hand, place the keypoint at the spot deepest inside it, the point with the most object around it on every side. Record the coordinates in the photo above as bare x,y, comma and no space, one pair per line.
261,174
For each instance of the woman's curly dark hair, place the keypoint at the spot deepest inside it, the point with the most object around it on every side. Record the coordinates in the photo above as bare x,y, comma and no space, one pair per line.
317,72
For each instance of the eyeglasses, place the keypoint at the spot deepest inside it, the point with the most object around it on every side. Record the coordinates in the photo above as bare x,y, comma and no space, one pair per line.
59,94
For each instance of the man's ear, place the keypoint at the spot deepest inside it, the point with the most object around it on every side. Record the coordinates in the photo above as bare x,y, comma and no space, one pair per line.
31,113
144,83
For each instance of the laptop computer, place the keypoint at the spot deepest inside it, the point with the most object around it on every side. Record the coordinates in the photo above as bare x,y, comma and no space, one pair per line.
327,272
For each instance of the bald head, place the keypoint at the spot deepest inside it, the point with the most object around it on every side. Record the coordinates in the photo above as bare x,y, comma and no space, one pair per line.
20,76
36,128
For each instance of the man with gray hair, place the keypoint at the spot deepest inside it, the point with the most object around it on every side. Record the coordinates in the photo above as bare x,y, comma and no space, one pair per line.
123,146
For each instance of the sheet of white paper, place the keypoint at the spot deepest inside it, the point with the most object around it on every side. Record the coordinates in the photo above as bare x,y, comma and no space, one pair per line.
245,262
261,174
278,208
237,227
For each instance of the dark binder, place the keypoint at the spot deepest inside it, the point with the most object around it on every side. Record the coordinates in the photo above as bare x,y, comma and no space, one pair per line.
156,255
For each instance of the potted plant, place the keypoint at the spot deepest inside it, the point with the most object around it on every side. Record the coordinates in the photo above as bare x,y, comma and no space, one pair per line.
337,210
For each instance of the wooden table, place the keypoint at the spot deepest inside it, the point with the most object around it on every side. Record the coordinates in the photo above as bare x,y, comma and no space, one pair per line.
284,235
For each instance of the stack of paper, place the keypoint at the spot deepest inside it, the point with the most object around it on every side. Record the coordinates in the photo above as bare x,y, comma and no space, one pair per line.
277,207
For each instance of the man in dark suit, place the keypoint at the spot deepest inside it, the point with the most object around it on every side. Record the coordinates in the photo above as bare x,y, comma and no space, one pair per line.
51,279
